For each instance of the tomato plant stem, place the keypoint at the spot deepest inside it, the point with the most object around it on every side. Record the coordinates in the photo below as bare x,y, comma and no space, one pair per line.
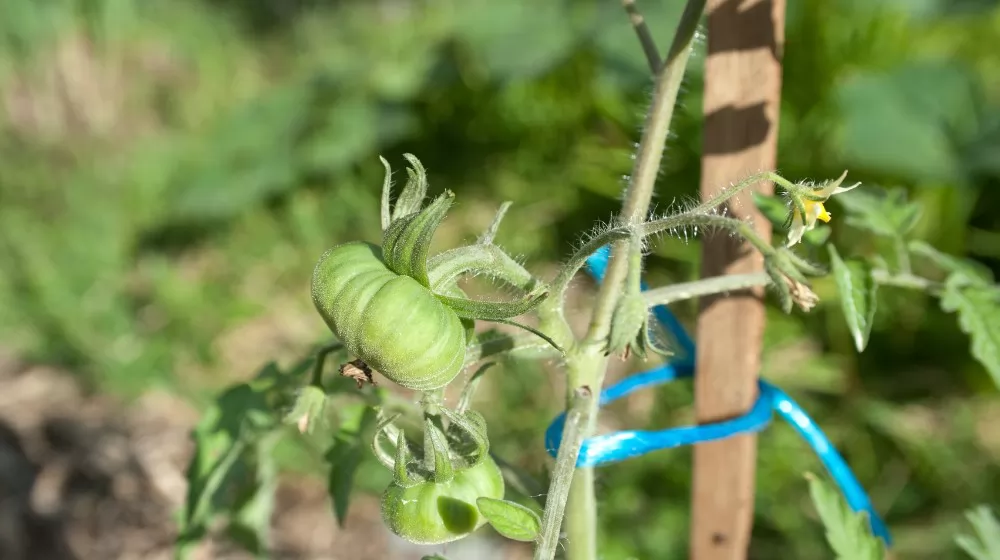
582,511
562,475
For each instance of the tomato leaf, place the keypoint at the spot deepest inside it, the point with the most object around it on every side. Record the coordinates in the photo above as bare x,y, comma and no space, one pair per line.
888,214
847,532
974,272
251,519
223,474
511,520
985,544
343,457
978,308
858,295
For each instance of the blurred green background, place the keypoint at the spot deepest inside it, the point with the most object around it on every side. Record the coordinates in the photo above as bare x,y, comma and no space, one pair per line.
171,170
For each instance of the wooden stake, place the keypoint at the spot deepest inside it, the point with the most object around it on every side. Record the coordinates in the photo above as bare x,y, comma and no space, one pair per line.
742,93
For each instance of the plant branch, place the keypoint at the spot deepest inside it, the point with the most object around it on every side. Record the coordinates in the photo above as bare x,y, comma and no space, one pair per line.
316,379
505,344
645,37
704,287
910,281
573,435
647,164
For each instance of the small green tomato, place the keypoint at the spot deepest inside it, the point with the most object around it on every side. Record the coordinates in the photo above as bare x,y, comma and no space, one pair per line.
439,512
391,321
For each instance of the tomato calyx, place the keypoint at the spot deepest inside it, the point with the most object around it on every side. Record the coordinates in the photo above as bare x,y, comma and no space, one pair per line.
406,239
436,486
462,444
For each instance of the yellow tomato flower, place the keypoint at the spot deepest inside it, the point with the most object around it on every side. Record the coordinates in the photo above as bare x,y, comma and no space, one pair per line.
815,210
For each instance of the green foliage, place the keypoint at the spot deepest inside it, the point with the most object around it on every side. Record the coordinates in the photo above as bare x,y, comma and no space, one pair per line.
858,295
344,457
232,473
885,213
160,208
847,532
510,519
978,309
985,544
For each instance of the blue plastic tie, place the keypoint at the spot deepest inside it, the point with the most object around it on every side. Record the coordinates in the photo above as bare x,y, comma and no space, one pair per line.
626,444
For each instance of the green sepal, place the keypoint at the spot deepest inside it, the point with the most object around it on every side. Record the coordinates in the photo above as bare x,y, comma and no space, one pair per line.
491,232
492,310
630,320
412,196
309,410
386,213
475,431
781,287
628,325
470,387
383,457
444,471
644,343
399,471
483,260
408,240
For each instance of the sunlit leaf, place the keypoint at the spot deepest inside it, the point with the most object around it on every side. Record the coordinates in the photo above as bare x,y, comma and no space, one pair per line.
985,543
886,213
511,520
978,309
973,271
847,532
343,458
858,295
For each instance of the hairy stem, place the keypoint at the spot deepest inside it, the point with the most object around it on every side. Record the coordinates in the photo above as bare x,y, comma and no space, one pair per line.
316,379
562,474
704,287
587,364
905,280
647,163
505,344
480,258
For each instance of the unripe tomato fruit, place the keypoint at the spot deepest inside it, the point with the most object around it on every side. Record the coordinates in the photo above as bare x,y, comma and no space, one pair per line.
392,322
435,513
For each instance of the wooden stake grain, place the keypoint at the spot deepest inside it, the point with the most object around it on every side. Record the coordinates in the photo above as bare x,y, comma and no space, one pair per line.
742,94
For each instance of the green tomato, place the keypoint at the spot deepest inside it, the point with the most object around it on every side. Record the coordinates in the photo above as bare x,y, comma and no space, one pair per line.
435,513
392,322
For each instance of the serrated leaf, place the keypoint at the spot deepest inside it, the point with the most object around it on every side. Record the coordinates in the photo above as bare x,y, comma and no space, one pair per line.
221,471
343,457
975,272
511,520
985,544
847,532
250,525
858,295
886,213
978,309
